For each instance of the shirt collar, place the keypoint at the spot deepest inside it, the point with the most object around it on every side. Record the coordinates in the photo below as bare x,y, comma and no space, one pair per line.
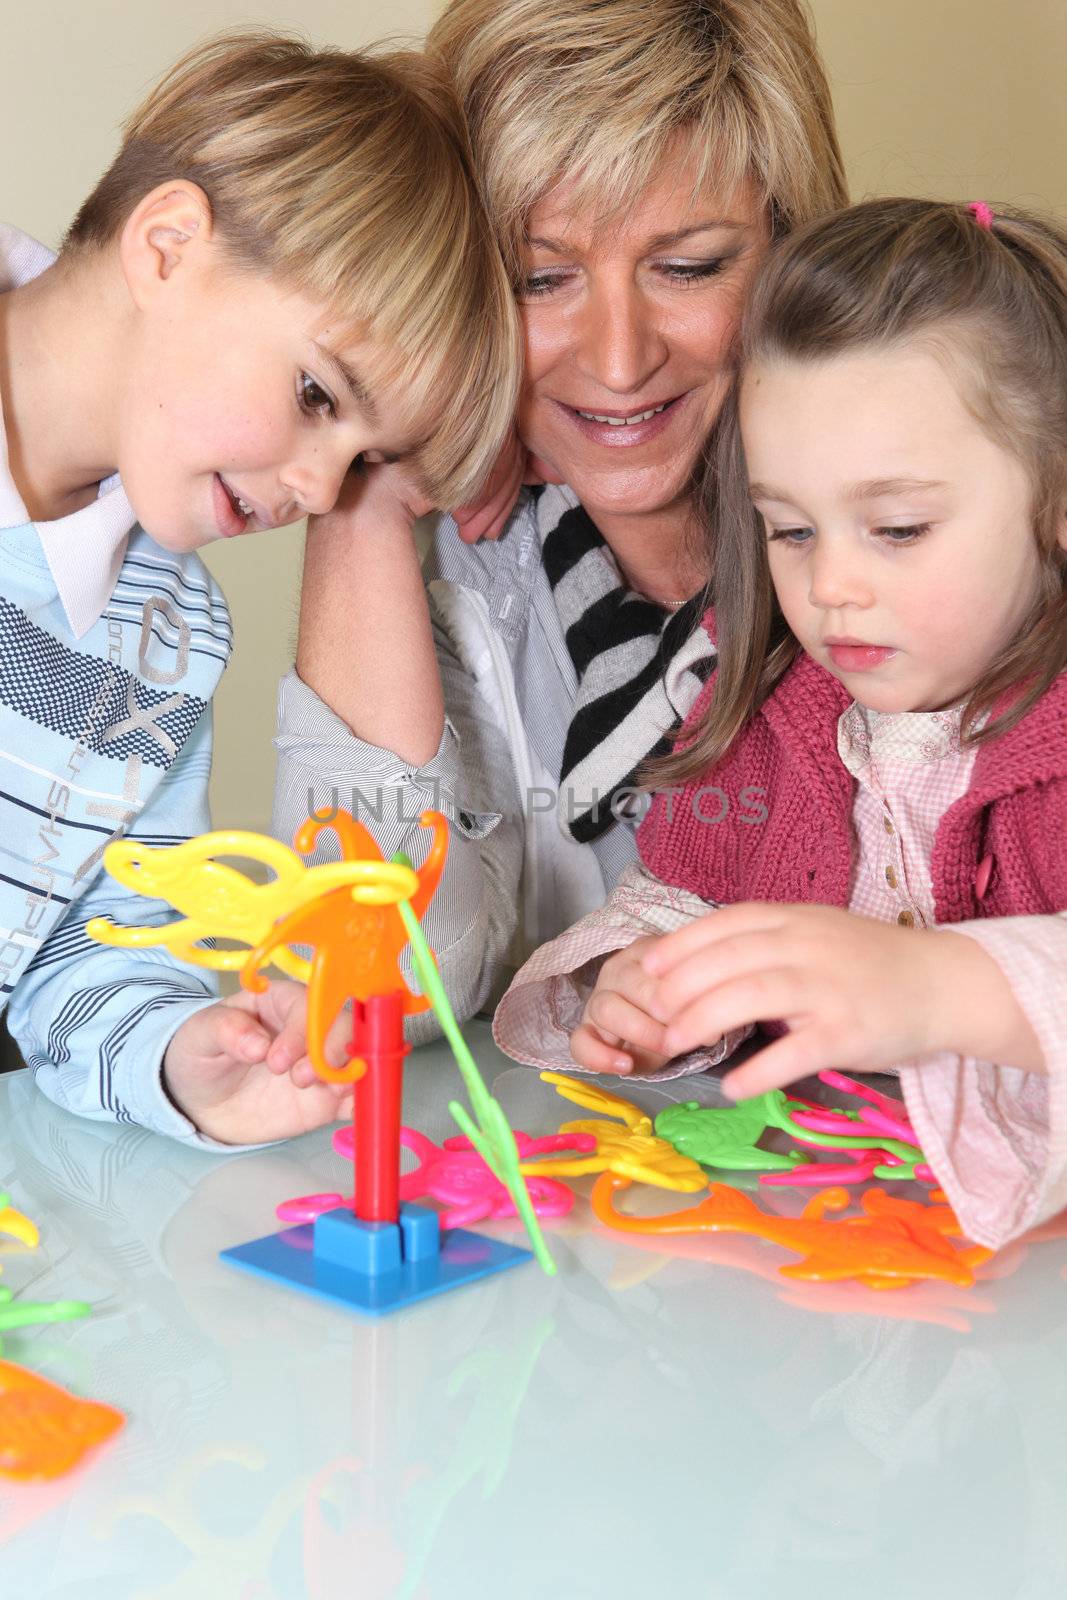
84,551
871,739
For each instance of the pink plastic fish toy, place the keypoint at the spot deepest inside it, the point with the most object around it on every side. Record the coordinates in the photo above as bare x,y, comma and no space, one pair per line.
456,1175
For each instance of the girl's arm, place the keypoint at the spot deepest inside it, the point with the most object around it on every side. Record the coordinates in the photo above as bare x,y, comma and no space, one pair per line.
547,999
997,1136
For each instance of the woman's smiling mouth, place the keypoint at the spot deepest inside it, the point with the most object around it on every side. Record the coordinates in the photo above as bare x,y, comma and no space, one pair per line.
624,428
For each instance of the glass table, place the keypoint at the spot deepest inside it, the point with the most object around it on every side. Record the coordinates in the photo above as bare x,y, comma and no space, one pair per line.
664,1417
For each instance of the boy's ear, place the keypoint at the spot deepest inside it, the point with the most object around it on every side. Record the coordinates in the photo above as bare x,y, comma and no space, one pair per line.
169,226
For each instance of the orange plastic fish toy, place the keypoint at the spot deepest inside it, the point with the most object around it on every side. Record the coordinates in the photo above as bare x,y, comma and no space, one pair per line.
44,1431
886,1248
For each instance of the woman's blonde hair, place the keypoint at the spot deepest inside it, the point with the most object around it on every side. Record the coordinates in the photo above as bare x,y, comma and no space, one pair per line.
598,93
991,304
346,176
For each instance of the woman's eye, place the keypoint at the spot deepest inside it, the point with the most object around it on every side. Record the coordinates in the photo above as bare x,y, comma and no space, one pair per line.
536,284
314,399
908,535
694,271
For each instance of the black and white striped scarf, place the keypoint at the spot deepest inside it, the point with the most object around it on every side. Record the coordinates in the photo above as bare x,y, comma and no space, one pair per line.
640,668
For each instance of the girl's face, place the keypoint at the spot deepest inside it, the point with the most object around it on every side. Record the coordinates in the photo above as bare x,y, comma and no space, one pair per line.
900,536
628,330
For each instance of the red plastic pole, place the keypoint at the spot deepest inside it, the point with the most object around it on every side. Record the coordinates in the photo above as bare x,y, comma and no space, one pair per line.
378,1039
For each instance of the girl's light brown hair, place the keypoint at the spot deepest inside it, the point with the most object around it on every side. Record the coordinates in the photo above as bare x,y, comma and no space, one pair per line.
345,176
991,304
598,94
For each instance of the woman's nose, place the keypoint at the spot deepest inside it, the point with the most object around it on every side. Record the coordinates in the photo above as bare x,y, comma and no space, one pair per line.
619,345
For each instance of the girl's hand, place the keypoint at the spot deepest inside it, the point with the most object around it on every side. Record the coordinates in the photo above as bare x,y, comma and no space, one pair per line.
856,993
617,1032
239,1072
486,517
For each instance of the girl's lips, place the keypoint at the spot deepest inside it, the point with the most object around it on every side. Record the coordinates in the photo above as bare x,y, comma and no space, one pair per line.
228,519
625,436
859,657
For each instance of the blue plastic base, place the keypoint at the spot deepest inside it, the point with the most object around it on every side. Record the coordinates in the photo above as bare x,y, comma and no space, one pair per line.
375,1267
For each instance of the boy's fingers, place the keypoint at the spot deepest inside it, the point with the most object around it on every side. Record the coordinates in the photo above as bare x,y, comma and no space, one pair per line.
235,1033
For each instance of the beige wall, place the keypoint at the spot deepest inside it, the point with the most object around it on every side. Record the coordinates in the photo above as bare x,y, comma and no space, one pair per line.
953,97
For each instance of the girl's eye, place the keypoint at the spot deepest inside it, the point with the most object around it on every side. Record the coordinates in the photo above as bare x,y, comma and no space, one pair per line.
314,399
790,535
908,535
694,271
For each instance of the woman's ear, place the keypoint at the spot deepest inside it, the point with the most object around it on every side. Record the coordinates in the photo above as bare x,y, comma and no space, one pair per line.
171,226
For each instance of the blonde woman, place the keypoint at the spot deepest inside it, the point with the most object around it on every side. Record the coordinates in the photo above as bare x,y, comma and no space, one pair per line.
635,158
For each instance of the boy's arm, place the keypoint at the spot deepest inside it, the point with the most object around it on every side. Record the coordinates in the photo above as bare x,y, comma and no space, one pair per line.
546,999
470,777
996,1136
93,1021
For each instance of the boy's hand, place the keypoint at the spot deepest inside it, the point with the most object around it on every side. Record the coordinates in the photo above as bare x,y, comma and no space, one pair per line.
238,1069
617,1032
486,516
377,494
856,993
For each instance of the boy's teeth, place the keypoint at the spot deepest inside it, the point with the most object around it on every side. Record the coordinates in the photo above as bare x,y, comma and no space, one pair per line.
624,422
243,506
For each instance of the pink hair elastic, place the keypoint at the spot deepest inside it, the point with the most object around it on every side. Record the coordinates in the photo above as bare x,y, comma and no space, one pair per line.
982,214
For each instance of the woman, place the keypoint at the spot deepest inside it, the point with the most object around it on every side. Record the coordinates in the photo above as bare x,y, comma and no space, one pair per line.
635,158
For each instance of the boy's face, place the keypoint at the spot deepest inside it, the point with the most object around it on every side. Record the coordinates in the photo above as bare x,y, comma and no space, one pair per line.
240,408
900,535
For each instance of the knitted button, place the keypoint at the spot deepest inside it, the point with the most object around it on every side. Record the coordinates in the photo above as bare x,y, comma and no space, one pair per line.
887,825
907,919
891,877
982,876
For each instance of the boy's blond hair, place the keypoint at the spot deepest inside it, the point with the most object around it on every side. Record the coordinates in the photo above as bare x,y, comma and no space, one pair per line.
346,177
601,95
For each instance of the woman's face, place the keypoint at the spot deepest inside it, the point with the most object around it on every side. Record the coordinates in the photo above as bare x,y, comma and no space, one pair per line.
628,329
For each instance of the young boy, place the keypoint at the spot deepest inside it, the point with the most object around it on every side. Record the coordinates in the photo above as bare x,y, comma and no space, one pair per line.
284,271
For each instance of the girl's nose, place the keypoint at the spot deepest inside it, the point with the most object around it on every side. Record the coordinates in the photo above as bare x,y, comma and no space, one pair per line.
837,578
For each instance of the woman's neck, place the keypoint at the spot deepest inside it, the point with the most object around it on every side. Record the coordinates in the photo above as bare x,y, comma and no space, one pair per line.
656,552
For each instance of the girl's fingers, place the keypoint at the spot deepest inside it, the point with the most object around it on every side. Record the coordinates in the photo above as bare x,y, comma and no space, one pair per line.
704,932
591,1050
799,1054
612,1013
704,971
757,997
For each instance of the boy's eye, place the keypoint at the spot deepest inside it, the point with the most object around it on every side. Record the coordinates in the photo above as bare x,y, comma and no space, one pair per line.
314,399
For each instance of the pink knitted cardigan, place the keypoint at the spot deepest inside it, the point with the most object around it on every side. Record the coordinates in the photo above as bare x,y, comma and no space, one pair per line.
1000,851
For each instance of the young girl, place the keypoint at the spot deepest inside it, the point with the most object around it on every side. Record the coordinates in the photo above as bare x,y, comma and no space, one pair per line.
875,781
